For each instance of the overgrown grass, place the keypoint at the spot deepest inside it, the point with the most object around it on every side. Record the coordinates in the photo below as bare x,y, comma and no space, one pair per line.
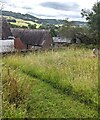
71,72
42,101
15,92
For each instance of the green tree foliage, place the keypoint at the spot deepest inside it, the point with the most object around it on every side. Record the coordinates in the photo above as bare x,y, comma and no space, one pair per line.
93,18
30,26
11,20
23,26
69,30
43,26
88,35
66,30
53,29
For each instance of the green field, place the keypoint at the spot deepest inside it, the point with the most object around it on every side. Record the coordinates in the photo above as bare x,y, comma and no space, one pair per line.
20,22
59,83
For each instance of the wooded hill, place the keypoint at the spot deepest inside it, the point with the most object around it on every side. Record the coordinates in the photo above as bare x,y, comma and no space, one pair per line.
38,20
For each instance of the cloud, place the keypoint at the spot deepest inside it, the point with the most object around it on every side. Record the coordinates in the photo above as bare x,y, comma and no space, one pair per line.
4,2
58,9
27,8
8,3
41,15
58,15
12,5
70,6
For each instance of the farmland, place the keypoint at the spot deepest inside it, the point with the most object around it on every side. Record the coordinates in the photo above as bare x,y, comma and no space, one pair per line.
59,83
21,22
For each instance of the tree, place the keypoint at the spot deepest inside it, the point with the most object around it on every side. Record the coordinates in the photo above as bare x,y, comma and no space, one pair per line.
68,30
93,18
23,26
11,20
53,29
75,33
30,26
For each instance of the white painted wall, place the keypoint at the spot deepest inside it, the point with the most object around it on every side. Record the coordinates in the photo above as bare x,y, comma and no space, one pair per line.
59,39
6,45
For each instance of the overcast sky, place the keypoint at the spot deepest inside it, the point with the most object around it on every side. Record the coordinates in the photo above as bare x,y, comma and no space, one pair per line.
57,9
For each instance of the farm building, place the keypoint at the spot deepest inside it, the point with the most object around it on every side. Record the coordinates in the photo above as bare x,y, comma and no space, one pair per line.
6,38
59,41
28,38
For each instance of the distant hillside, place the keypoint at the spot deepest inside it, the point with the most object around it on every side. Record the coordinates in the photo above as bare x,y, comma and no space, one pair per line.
29,17
19,15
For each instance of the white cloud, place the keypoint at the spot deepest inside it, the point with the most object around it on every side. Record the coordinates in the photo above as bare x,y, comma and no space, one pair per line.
36,8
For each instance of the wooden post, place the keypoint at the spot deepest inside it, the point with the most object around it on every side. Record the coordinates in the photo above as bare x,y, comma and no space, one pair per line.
27,46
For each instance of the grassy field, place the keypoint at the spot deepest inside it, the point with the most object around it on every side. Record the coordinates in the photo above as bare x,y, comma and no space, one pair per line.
51,84
20,22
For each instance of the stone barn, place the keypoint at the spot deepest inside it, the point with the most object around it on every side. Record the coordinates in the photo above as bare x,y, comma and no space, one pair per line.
32,38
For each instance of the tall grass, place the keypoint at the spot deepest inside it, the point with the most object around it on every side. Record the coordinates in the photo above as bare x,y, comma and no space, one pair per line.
40,100
72,71
15,92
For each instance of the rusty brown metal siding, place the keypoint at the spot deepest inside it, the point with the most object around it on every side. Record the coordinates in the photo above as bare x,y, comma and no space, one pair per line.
18,44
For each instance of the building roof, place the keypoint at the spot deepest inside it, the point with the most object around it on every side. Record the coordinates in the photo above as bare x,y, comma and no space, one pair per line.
30,36
6,32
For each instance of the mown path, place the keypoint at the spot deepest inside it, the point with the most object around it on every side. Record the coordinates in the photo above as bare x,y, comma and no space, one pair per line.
53,84
47,102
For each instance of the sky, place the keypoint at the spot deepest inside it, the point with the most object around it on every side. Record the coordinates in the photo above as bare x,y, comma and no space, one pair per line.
51,9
